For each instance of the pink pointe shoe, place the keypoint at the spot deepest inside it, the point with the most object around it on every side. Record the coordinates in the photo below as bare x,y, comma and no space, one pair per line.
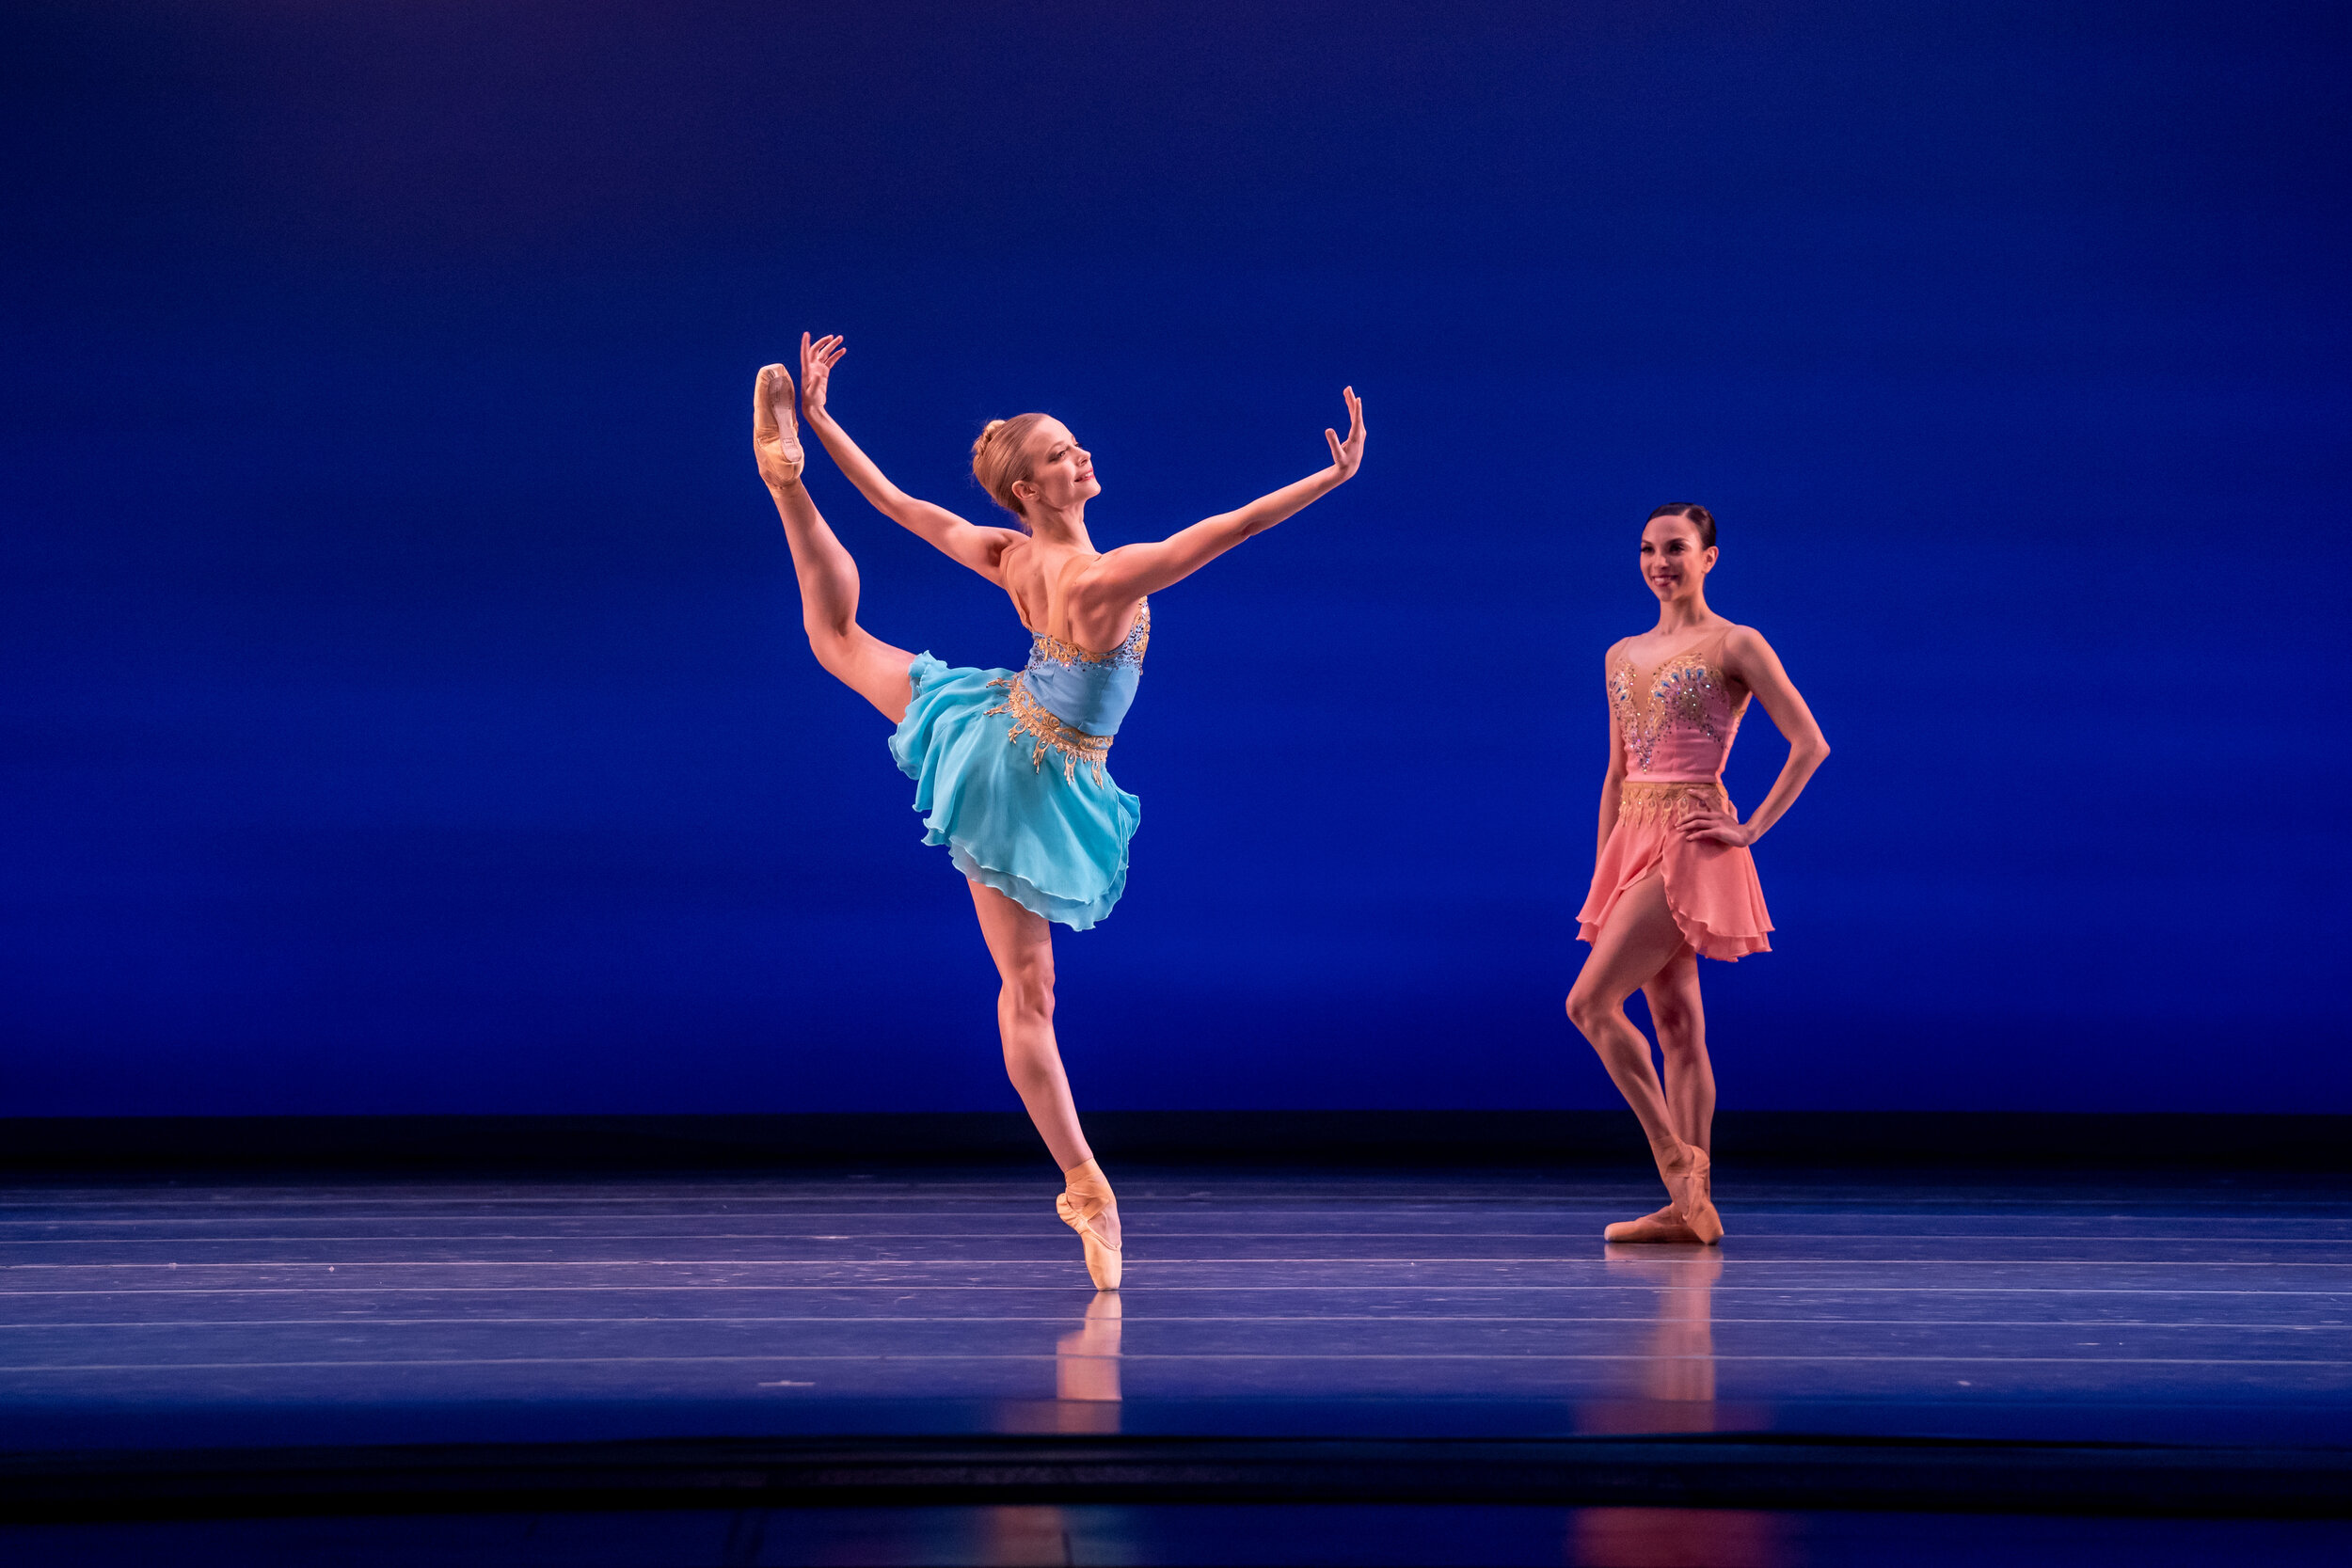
1665,1227
1088,1198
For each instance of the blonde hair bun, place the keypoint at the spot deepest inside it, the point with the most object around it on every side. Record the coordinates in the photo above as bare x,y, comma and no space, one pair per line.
1001,458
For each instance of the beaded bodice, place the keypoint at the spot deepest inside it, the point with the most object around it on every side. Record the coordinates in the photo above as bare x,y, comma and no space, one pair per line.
1070,701
1085,690
1680,715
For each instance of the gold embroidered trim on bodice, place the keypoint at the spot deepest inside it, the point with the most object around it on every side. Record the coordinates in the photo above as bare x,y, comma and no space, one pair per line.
1030,718
1130,650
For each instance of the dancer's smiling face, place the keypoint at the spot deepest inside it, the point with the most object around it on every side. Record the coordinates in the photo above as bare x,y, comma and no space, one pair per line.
1061,472
1673,563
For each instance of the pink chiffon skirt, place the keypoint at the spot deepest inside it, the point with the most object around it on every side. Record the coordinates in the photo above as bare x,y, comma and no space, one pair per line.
1710,888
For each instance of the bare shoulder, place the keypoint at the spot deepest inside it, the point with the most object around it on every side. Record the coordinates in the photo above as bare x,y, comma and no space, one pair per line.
998,548
1746,653
1018,569
1011,553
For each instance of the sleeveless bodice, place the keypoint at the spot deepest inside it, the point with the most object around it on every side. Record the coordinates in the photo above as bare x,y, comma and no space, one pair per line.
1088,692
1068,701
1678,717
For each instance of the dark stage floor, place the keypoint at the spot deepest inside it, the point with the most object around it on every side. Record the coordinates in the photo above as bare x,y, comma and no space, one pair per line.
1407,1363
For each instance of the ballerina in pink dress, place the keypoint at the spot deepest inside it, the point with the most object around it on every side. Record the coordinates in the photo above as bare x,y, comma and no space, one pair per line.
1673,881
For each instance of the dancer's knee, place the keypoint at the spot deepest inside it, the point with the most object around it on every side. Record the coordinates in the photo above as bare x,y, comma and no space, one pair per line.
1685,1058
1029,990
1591,1012
834,643
1678,1025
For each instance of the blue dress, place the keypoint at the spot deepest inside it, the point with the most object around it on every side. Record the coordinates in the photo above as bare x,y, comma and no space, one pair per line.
1009,771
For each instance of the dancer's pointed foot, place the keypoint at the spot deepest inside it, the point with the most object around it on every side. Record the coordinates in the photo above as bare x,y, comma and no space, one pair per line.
1666,1226
776,429
1089,1207
1687,1173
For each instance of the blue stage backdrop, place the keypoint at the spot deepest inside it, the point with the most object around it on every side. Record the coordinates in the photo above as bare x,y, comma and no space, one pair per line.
404,698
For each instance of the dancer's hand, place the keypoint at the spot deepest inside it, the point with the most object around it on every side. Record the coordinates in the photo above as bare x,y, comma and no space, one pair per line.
1706,825
816,362
775,433
1348,456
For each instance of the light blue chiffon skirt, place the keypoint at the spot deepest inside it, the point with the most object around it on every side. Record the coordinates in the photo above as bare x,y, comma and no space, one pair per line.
1052,843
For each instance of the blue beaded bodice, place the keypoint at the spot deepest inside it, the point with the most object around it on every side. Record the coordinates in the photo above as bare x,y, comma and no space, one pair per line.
1088,692
1068,701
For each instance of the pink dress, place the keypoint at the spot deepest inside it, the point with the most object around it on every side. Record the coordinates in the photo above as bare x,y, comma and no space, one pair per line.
1679,718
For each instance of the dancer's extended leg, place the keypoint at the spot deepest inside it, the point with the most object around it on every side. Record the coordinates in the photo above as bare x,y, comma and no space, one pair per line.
829,583
1639,941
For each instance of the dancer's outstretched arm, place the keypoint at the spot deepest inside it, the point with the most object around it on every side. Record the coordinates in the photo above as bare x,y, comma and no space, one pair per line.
1131,571
981,549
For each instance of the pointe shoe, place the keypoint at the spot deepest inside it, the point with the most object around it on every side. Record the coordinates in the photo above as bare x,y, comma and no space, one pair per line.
1666,1226
776,429
1088,1198
1690,1188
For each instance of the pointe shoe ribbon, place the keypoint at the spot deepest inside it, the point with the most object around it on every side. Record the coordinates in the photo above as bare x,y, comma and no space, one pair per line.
1088,1198
1691,1191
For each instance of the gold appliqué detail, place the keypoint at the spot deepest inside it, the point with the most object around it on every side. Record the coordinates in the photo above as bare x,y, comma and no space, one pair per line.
1646,801
1030,718
1053,650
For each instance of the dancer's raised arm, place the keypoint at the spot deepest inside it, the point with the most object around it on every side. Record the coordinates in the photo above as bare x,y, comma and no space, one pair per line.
981,549
1131,571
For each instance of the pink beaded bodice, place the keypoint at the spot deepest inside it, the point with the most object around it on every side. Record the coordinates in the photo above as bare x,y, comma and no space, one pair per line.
1678,716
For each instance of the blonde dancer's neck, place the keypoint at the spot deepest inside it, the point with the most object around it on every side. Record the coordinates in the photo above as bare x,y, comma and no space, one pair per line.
1066,525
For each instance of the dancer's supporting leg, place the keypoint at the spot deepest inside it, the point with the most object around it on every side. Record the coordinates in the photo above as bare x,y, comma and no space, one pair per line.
1022,942
1680,1020
1640,940
829,583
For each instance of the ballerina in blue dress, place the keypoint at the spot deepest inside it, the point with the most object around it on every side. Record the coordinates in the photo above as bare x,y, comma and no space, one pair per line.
1011,767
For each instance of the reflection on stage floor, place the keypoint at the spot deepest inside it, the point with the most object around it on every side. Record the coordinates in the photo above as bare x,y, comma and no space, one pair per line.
1477,1305
1374,1308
